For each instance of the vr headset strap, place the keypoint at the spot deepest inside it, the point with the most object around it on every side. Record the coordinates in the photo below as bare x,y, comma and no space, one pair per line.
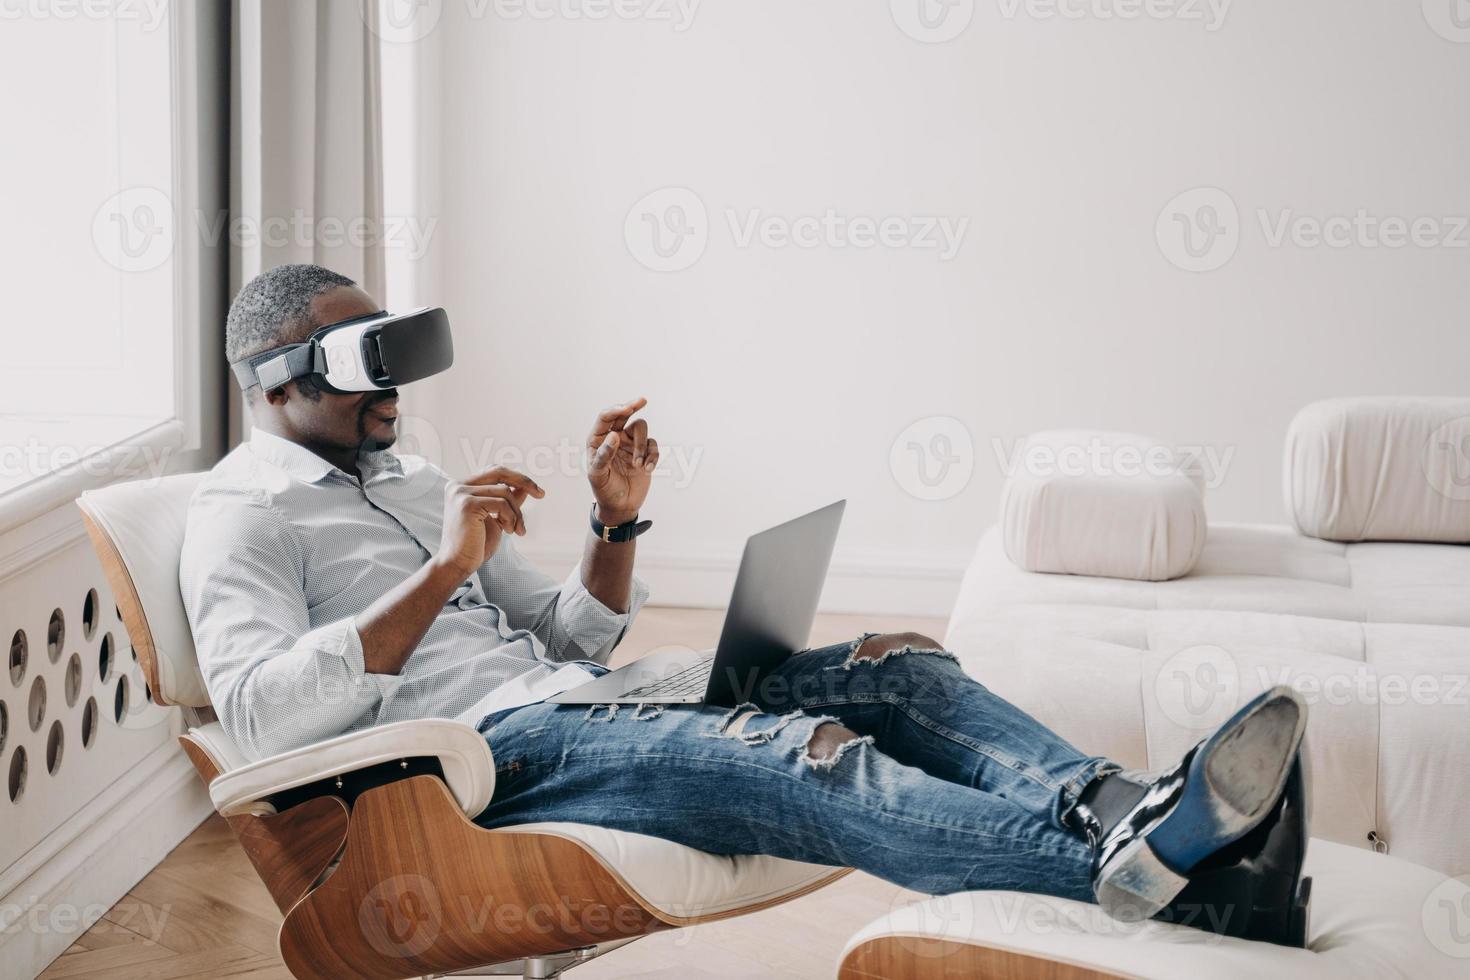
273,368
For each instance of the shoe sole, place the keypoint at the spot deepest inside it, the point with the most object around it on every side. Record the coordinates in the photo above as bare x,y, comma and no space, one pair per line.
1225,798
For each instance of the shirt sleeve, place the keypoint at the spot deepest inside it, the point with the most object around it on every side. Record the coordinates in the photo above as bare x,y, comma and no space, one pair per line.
569,621
276,683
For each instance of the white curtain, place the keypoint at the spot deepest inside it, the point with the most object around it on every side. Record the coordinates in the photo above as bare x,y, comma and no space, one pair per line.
306,144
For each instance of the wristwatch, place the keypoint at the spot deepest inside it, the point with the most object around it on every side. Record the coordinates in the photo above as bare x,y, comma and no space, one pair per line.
618,533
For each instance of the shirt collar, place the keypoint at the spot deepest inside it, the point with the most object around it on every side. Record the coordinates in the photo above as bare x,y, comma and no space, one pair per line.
307,466
292,457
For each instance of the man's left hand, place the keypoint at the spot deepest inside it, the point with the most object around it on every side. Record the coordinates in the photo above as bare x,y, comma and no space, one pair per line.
621,457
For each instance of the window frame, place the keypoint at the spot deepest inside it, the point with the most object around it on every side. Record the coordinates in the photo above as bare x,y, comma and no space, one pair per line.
199,54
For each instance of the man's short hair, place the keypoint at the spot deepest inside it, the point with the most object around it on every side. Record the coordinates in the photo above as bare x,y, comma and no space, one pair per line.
274,308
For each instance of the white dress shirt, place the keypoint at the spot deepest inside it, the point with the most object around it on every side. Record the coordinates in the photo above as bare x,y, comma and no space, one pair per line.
283,550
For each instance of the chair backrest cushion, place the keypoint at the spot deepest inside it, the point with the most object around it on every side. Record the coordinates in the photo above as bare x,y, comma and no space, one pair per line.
138,531
1381,469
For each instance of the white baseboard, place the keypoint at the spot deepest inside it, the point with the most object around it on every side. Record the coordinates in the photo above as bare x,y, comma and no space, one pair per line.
82,868
860,581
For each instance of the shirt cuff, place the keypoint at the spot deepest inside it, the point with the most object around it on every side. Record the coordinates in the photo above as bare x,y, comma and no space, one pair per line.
591,626
338,639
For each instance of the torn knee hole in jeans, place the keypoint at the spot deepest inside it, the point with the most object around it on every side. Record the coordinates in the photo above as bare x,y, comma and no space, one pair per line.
829,742
856,657
647,712
734,722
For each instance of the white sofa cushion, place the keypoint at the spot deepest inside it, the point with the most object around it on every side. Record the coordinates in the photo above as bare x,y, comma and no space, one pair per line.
1381,469
1376,635
1371,917
1102,503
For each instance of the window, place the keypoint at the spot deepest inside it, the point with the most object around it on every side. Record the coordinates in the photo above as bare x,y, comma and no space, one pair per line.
89,314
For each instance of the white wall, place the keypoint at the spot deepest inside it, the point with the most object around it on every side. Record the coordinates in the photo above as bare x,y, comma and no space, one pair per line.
790,372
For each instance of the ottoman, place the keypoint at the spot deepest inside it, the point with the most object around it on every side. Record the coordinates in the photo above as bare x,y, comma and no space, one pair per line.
1373,917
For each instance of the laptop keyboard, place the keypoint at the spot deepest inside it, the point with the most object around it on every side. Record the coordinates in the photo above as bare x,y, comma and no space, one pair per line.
691,680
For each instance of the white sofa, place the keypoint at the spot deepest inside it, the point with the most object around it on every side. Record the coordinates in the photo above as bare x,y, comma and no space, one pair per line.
1376,634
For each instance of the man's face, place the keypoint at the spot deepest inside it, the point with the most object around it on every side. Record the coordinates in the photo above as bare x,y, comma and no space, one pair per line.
361,420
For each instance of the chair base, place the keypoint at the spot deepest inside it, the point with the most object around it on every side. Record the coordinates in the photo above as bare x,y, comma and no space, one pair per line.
540,967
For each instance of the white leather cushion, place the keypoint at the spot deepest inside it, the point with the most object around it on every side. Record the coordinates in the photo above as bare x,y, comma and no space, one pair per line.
1371,916
1376,636
1102,503
682,882
145,520
1381,469
463,754
679,881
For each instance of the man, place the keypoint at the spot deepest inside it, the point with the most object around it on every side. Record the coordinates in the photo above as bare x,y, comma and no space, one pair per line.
333,585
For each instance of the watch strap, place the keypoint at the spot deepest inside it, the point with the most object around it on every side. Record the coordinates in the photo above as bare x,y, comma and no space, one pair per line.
618,533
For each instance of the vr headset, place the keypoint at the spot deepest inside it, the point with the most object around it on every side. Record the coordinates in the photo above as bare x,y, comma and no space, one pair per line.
365,353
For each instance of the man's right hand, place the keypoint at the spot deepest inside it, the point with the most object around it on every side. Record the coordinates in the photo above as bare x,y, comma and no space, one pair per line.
477,512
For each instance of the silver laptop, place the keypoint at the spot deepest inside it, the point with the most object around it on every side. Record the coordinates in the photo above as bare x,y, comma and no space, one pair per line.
770,618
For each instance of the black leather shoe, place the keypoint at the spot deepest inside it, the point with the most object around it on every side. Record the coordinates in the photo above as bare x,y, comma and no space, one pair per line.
1186,819
1254,889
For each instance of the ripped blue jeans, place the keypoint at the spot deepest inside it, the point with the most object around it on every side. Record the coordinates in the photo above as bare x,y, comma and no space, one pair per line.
946,787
